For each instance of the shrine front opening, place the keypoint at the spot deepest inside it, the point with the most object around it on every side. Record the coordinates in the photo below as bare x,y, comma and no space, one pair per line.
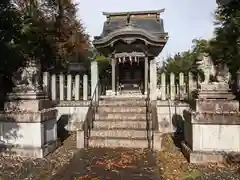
128,73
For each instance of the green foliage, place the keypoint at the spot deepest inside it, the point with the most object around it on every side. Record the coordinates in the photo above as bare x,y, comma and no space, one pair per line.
104,66
9,36
225,47
48,31
185,62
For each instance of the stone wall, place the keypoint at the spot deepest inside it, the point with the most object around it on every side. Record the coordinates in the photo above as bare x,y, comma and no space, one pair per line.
170,115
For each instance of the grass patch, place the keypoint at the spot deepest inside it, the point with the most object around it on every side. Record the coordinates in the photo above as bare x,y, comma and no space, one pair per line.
194,174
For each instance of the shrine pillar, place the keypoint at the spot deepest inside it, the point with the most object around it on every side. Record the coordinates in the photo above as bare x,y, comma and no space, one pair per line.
113,76
153,79
146,75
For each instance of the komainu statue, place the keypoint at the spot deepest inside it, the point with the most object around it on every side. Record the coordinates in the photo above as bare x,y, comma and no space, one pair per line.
222,75
206,65
220,72
27,78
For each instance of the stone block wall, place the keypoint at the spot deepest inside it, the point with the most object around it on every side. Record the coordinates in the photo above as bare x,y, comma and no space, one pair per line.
170,115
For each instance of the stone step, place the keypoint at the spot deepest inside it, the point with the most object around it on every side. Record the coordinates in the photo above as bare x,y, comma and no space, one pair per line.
116,109
118,133
123,98
129,103
126,124
118,142
121,116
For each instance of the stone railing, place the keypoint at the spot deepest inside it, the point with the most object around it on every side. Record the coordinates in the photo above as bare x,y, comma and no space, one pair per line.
176,86
66,87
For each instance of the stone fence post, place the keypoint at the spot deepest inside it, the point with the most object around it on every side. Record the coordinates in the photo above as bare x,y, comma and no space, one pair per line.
163,86
172,86
94,77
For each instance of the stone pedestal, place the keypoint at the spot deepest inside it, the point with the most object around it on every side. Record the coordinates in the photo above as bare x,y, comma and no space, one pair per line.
213,129
157,141
28,125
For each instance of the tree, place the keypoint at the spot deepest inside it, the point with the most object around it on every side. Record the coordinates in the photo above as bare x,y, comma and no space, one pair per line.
51,32
185,61
225,47
9,35
46,30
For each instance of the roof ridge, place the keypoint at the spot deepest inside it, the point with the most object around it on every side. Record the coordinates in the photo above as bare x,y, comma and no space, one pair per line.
133,12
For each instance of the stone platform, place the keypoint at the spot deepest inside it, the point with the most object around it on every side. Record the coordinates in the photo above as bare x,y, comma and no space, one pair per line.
201,157
212,131
28,125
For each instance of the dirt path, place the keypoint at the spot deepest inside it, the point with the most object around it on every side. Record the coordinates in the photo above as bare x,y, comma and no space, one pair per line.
69,163
111,164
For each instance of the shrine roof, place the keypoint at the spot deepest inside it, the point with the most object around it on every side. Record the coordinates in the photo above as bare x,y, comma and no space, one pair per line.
145,23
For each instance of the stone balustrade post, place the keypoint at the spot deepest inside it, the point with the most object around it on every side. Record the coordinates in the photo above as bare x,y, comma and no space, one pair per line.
77,87
163,86
53,87
46,82
94,78
172,86
61,86
69,87
182,88
191,83
85,87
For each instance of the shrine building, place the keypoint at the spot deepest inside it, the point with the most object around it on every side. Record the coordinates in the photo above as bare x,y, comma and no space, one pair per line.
131,40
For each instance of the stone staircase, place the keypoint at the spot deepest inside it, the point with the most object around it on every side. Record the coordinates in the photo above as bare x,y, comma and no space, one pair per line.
120,122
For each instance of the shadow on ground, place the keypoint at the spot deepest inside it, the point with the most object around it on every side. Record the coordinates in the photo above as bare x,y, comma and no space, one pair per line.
178,135
62,133
110,164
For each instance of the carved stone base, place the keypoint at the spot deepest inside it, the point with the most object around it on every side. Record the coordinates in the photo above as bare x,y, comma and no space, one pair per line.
27,101
217,105
33,105
206,94
201,157
215,91
157,141
28,151
32,134
27,95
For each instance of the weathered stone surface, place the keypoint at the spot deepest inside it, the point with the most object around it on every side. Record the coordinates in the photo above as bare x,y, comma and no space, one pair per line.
29,134
120,122
216,118
201,157
215,95
214,128
118,142
27,117
217,106
120,109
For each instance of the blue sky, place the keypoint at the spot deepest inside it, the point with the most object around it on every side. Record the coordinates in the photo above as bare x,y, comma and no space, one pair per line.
184,20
